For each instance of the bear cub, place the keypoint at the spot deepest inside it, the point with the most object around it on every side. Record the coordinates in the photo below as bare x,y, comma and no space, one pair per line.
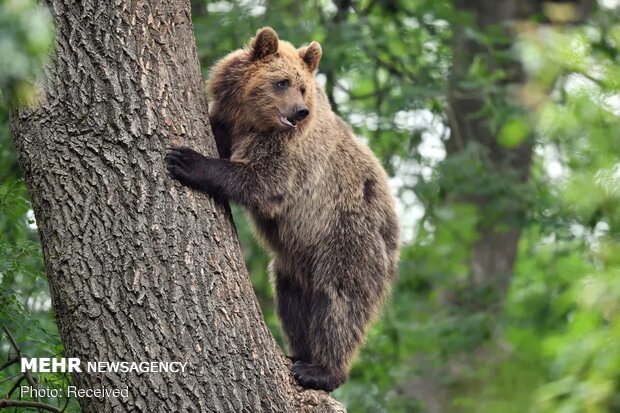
318,198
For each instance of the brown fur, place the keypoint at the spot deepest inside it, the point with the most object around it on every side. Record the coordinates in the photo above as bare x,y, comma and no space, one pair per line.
319,200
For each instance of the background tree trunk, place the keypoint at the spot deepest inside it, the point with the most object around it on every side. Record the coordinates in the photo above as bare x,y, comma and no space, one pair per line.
473,127
139,267
494,253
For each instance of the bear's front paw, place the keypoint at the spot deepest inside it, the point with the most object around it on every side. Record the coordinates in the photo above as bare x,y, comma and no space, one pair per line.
187,166
316,377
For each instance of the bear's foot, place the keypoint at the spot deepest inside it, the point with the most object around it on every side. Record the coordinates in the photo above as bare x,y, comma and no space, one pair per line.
316,377
295,358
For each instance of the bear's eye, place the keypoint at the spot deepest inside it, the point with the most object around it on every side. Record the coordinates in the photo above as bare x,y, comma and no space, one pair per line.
282,84
303,90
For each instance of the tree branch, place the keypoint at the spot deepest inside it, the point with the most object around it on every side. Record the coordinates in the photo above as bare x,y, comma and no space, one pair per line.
27,374
15,386
9,363
25,403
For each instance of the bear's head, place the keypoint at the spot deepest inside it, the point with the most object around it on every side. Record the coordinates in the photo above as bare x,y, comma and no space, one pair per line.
267,86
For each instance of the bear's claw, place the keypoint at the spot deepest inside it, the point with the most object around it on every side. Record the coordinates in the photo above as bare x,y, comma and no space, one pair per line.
315,377
186,165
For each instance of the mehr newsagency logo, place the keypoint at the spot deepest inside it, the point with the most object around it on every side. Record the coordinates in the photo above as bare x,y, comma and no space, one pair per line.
75,365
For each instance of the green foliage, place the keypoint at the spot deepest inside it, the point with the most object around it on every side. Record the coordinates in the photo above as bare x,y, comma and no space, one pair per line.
513,132
25,41
24,296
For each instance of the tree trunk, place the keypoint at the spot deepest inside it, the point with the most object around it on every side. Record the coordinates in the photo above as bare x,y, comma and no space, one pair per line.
141,268
494,253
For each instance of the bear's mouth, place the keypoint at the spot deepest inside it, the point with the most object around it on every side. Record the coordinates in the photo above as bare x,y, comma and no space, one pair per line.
286,121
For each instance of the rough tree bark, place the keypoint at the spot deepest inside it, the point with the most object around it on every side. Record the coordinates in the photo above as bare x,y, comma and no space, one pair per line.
139,267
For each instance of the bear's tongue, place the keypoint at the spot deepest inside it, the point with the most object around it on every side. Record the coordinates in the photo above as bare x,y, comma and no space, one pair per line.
286,122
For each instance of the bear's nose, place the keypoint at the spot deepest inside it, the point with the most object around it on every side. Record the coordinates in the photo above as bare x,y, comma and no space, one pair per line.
301,113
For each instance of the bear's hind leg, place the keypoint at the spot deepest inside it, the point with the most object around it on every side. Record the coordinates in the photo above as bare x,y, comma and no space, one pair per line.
338,326
291,307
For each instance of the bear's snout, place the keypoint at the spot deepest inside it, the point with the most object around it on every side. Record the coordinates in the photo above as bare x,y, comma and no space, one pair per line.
301,112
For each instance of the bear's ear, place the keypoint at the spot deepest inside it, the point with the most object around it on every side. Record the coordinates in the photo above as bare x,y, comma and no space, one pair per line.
265,43
311,55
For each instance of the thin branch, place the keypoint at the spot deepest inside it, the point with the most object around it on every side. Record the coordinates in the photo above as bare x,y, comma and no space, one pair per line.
13,342
10,377
10,363
15,386
27,374
25,403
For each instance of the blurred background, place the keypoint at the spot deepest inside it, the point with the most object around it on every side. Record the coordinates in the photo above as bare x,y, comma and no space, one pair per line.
498,124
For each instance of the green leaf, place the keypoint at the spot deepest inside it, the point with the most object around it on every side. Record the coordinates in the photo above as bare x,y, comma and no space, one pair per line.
513,132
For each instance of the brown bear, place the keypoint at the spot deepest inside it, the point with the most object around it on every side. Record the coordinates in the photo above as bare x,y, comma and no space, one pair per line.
319,200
